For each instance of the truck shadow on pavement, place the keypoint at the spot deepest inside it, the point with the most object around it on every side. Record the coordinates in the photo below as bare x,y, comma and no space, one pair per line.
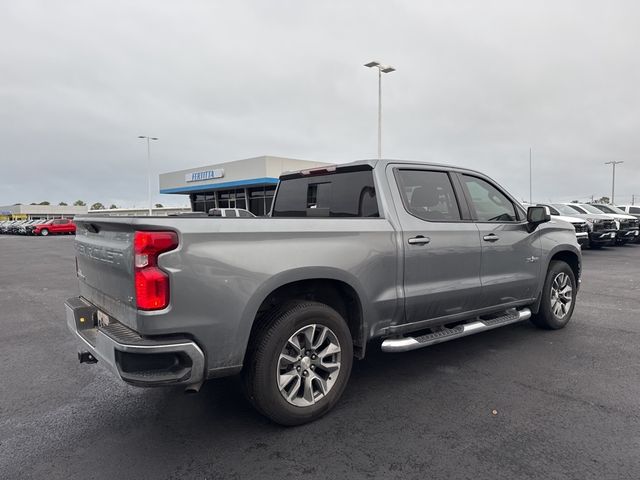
379,378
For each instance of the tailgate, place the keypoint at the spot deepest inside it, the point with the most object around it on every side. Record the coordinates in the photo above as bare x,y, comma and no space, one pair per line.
104,255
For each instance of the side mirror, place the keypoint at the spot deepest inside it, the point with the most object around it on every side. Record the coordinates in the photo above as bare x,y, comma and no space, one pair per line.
536,216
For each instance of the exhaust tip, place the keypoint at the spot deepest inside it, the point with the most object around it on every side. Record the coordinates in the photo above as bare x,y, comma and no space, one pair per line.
86,357
192,389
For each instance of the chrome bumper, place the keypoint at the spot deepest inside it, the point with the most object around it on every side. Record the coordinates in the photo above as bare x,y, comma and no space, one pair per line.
582,237
606,236
110,343
628,233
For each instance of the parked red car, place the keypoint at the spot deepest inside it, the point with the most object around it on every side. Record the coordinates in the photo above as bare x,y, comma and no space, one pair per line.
59,225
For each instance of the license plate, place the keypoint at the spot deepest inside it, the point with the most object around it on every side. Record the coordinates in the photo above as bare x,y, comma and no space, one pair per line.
103,319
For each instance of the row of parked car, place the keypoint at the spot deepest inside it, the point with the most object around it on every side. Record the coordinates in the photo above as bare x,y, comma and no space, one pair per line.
598,225
38,227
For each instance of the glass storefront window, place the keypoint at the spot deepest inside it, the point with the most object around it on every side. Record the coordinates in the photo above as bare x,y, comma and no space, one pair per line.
257,200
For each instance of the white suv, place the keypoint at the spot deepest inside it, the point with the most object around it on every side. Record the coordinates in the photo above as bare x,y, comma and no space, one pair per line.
230,212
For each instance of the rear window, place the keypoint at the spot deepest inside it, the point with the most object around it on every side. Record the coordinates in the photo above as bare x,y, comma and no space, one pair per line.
341,194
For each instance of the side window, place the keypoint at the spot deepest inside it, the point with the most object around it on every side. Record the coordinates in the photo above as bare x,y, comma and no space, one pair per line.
552,210
244,213
490,204
634,209
341,194
428,195
230,213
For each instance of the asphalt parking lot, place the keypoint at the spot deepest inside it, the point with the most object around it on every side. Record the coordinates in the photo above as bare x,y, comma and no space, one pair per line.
567,402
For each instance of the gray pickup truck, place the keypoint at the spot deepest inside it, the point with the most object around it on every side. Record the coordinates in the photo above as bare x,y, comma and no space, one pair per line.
410,254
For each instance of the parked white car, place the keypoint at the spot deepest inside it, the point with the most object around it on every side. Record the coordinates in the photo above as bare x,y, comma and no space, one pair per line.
230,212
628,225
630,209
602,228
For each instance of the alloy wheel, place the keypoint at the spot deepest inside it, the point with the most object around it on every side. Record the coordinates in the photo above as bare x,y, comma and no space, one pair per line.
308,365
561,295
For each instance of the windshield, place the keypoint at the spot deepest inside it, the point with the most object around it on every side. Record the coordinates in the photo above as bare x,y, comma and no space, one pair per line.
590,208
611,209
564,209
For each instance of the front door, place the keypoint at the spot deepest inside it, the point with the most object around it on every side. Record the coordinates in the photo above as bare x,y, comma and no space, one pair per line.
441,247
510,254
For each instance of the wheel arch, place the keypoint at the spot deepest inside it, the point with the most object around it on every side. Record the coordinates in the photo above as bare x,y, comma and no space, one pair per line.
333,287
571,257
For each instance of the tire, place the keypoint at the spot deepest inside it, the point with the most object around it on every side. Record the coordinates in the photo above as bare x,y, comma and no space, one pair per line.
553,316
280,355
44,232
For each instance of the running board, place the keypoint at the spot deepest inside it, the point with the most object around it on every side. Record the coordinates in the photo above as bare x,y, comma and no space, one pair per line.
404,344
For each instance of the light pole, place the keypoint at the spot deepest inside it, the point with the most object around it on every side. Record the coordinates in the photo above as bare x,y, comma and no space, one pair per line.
148,167
613,183
530,180
381,69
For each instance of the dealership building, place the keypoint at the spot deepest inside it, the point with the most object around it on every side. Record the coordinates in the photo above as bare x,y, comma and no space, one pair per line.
248,184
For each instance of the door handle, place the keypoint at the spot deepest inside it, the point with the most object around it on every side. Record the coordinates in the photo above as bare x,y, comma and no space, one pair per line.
419,240
492,237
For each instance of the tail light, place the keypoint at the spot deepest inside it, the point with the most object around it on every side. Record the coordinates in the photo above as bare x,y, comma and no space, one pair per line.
152,284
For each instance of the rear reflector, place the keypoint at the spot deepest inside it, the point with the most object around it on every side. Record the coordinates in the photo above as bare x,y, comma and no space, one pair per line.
152,283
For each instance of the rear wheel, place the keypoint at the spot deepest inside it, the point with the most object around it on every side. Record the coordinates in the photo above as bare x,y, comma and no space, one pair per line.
558,297
44,232
299,363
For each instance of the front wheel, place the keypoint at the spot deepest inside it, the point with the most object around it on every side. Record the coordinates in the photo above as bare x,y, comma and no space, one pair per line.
299,363
558,297
44,232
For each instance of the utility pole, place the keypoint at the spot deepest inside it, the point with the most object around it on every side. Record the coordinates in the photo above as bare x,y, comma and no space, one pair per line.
613,182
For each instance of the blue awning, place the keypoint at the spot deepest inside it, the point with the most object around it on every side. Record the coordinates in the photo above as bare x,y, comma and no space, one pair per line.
217,186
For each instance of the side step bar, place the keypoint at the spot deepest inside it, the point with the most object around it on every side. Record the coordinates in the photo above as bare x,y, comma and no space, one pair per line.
404,344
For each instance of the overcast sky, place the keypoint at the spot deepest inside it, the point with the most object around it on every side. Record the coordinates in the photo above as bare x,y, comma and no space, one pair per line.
477,84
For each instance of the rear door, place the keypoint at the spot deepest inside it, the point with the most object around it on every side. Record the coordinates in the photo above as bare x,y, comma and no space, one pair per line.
510,254
441,244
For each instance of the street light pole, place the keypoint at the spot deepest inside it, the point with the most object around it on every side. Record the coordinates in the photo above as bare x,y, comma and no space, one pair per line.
613,182
530,180
381,69
148,168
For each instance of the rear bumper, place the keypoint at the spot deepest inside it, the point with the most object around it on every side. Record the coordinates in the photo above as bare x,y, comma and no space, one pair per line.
144,362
